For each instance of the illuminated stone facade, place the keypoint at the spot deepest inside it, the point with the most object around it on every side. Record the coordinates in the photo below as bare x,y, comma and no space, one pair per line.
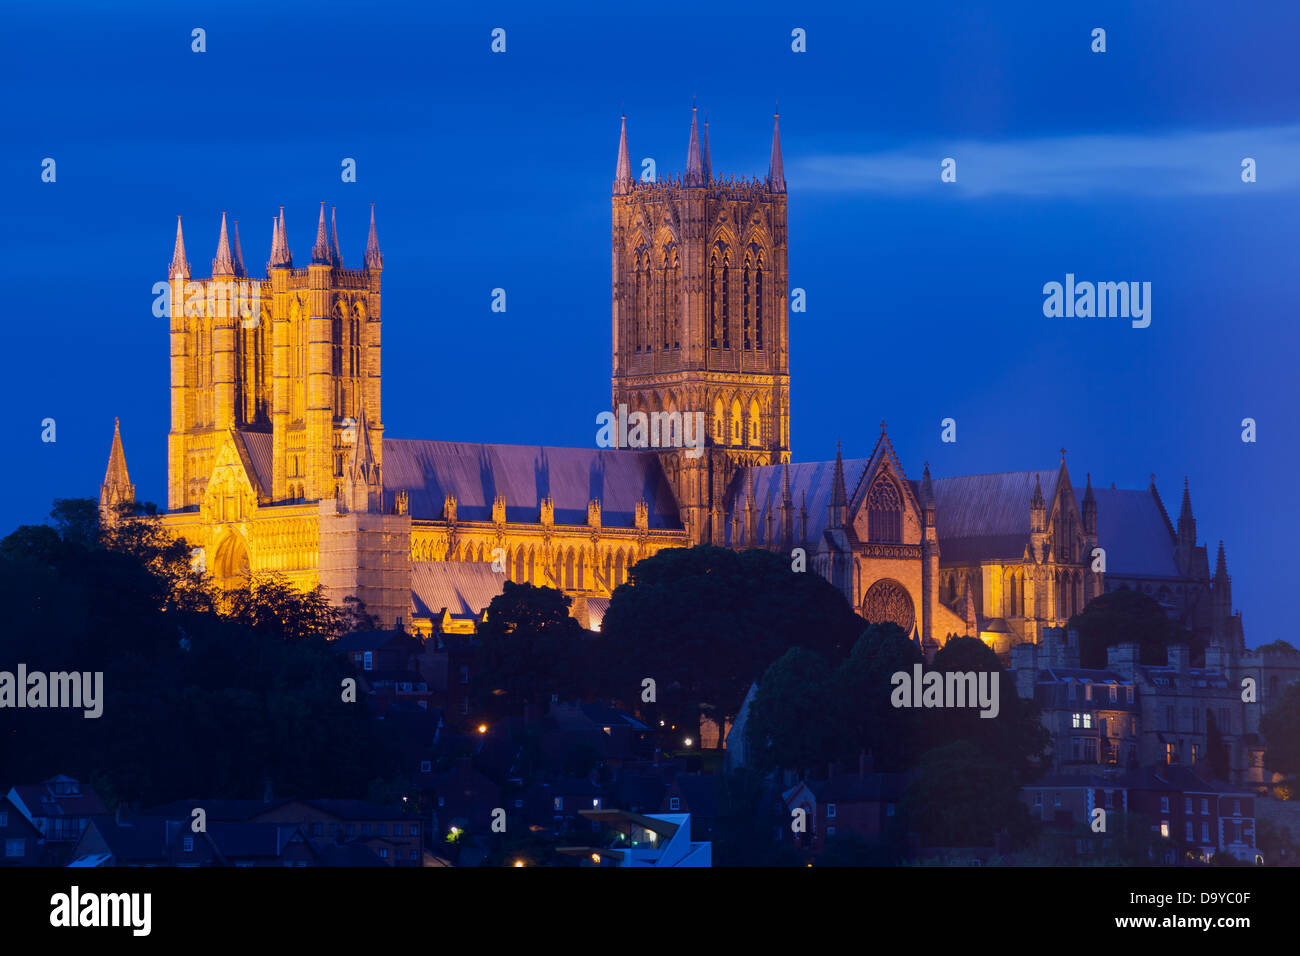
278,460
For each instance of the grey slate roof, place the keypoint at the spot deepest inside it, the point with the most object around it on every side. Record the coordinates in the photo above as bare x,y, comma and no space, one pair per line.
462,587
1132,529
524,475
476,473
979,516
811,477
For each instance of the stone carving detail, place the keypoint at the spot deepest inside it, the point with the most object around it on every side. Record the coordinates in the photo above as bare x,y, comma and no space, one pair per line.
887,600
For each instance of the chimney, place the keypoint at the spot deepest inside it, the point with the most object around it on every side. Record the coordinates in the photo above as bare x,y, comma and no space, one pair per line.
1024,664
1122,658
1072,647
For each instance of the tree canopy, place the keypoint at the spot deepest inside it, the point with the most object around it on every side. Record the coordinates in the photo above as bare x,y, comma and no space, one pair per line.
200,695
1126,616
706,622
528,649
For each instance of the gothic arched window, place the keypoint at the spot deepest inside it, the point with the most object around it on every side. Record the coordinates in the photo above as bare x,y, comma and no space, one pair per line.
736,423
713,300
719,422
884,513
726,301
758,304
745,304
675,298
755,435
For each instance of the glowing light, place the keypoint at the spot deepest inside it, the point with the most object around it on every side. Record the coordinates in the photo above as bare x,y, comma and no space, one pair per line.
519,862
595,858
688,741
482,728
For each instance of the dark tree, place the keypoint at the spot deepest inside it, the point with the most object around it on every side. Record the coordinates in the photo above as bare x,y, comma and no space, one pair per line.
705,622
860,692
1016,738
790,724
1124,617
1280,725
529,649
960,797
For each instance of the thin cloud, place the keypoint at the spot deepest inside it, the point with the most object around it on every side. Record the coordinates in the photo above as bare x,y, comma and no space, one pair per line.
1171,164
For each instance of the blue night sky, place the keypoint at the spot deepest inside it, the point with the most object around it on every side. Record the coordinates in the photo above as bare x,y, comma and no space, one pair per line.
924,299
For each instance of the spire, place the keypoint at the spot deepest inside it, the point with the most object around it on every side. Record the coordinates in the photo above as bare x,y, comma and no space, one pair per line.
117,488
336,257
1221,566
320,252
222,265
363,490
839,498
775,168
238,254
1037,501
623,171
180,266
694,165
785,483
704,149
374,258
1185,514
1089,508
280,255
927,489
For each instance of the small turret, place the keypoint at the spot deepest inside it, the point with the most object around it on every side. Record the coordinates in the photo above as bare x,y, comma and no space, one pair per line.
694,163
374,258
775,167
223,264
839,497
180,267
320,252
623,169
117,489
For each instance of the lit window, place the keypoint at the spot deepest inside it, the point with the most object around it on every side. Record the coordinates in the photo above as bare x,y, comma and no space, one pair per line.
1164,829
368,661
1087,718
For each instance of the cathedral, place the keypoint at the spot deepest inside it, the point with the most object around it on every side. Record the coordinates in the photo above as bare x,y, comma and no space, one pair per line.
278,460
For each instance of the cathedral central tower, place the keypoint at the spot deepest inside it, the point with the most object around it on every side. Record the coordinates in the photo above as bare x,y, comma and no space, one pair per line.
699,318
